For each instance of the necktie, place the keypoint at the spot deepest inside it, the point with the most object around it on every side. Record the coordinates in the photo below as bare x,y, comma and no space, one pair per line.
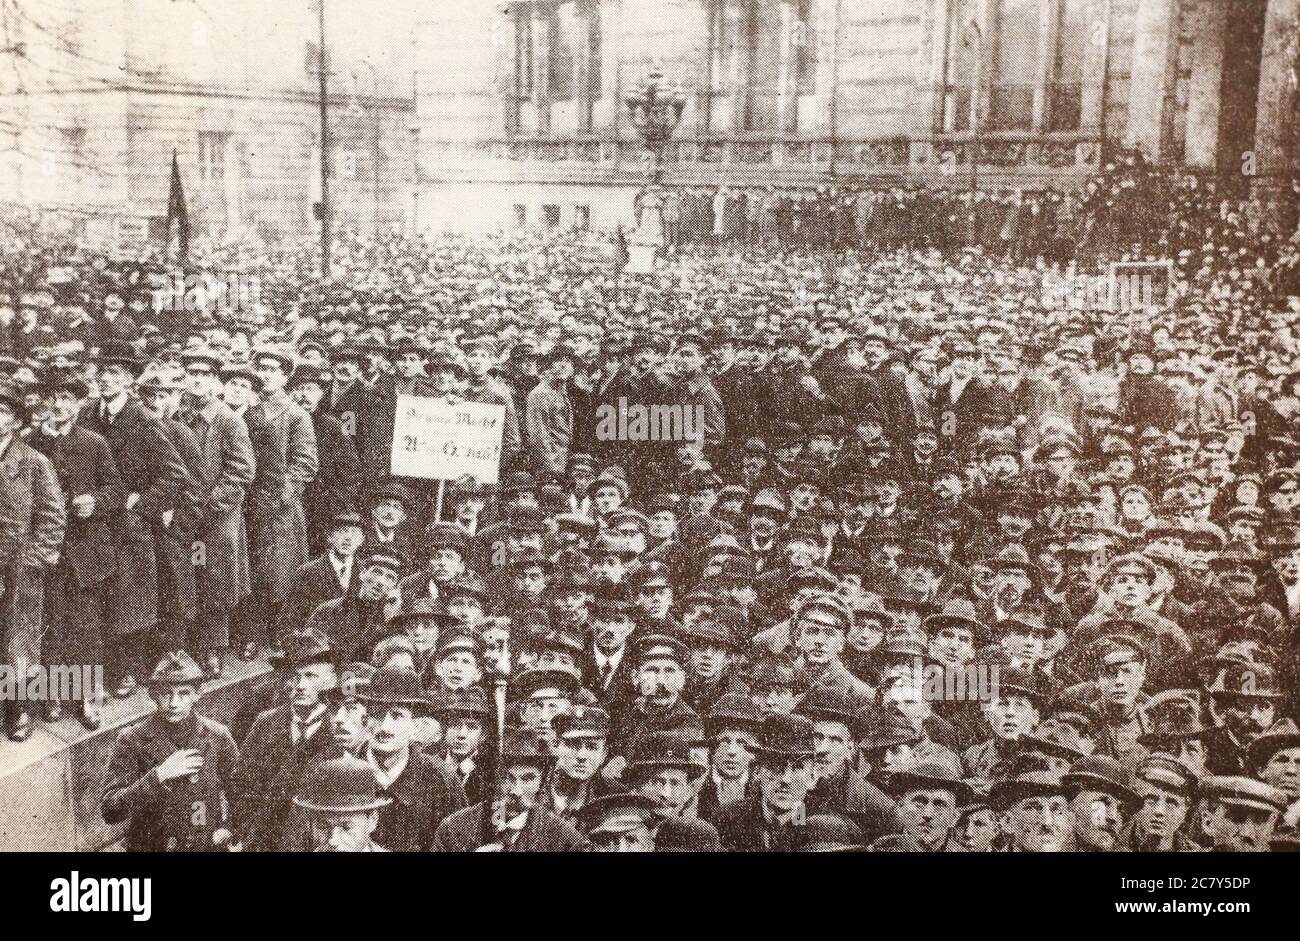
606,671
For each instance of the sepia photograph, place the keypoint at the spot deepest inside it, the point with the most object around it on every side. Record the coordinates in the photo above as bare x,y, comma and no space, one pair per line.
707,426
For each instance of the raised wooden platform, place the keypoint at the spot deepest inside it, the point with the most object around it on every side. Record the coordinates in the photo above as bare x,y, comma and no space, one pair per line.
50,785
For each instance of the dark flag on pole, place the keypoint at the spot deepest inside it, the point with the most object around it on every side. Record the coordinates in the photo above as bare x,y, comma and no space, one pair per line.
620,250
176,210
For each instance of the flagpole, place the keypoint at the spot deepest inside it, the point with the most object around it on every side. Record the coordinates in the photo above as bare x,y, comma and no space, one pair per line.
324,151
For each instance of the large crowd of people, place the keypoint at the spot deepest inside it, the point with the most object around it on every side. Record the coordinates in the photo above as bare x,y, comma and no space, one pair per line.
937,558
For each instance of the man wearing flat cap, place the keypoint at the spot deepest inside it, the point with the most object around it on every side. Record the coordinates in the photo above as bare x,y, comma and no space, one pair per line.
581,746
785,771
467,718
819,633
284,446
337,485
1238,813
620,823
170,778
353,620
515,819
330,575
226,470
1168,792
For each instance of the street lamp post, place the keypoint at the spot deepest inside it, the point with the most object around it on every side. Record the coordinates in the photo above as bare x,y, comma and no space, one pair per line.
656,110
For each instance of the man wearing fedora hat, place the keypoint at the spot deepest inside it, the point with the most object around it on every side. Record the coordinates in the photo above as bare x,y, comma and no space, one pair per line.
151,470
423,790
839,788
311,663
1102,801
1275,758
1034,806
353,620
930,795
93,491
332,574
1243,702
171,777
514,819
226,471
785,771
343,805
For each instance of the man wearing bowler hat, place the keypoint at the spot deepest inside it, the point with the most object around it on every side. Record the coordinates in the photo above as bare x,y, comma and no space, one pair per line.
343,804
170,778
424,792
515,819
468,739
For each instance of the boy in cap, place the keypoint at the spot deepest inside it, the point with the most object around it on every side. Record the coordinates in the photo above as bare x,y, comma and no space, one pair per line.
620,823
732,727
170,778
466,718
1167,790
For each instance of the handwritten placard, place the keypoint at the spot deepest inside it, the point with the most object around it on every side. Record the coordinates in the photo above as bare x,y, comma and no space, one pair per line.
435,439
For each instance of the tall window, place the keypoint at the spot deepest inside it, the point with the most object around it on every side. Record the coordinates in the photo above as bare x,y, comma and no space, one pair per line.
212,156
563,41
726,32
1015,65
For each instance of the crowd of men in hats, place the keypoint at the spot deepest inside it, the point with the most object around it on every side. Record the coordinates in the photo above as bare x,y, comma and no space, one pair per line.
722,642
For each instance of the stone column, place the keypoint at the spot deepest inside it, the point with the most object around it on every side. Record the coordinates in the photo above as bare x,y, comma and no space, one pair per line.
1049,21
508,56
938,61
745,72
1094,68
542,65
1275,118
585,11
1203,103
1151,84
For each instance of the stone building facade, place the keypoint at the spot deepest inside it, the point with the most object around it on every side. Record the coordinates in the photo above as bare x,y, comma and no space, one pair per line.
521,107
103,91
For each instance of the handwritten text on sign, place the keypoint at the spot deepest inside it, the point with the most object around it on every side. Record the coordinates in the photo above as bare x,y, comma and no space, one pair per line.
437,440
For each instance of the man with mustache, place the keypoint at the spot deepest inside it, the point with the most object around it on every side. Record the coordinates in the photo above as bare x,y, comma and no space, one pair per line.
515,819
930,795
424,792
1034,807
1102,800
661,662
1243,700
1238,813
